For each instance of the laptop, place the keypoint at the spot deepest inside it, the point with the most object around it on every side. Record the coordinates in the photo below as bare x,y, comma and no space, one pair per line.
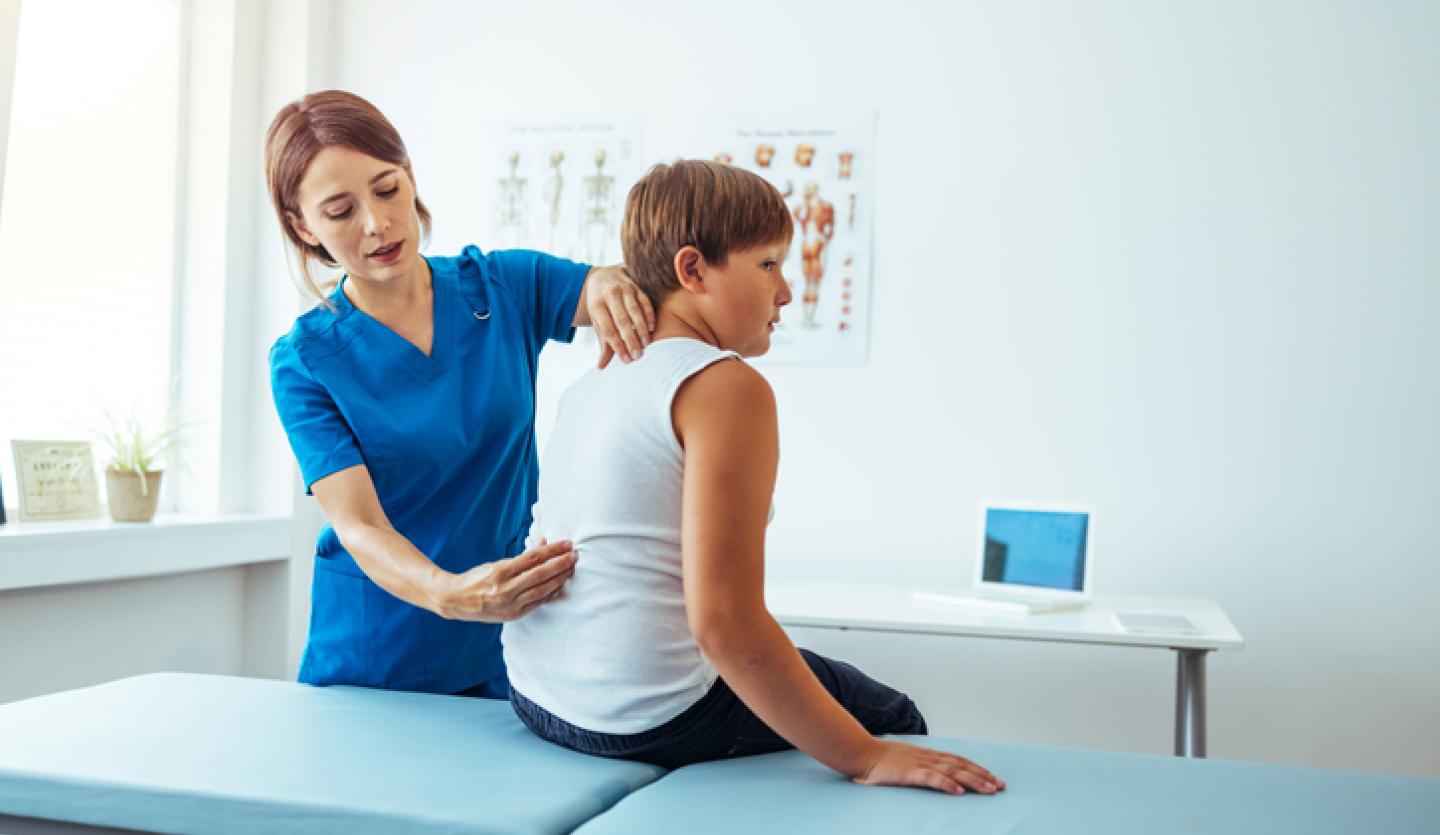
1032,557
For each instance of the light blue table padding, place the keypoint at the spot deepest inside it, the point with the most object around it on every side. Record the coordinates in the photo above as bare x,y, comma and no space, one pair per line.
1051,790
175,752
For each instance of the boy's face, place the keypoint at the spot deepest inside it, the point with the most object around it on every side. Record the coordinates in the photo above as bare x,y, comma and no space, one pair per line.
747,294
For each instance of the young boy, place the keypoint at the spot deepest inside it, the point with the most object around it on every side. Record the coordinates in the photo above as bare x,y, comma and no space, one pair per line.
660,472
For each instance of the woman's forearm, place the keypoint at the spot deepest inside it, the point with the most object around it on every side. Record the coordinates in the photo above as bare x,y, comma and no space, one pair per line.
757,661
396,565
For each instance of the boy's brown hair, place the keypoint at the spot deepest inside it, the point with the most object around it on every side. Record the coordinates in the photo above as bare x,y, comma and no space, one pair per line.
714,207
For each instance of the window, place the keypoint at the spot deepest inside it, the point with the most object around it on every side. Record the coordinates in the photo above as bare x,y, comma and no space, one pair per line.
88,218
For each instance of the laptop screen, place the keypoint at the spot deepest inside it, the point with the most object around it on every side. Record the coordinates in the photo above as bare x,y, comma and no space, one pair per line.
1035,548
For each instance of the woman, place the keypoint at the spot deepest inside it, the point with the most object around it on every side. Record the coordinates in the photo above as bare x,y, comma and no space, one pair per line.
408,396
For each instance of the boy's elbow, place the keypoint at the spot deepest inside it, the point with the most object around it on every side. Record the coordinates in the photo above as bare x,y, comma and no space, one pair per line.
726,637
710,636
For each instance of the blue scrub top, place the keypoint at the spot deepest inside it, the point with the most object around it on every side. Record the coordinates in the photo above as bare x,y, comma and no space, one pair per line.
449,440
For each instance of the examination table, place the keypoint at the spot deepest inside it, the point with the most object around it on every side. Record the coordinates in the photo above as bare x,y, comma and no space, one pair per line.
174,752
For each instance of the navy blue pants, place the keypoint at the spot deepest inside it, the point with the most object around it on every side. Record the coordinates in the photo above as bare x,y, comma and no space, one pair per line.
720,726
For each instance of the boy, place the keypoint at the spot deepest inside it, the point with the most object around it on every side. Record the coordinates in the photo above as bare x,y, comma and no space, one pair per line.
660,648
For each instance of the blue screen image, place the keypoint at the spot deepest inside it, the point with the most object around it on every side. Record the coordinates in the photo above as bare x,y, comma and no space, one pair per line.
1035,548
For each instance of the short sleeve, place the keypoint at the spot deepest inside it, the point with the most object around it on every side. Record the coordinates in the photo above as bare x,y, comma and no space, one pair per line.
546,288
321,438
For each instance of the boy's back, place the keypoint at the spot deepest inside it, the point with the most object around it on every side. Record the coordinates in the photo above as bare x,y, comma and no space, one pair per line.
614,653
615,666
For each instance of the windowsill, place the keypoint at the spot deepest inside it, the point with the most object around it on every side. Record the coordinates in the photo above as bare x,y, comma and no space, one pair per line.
35,554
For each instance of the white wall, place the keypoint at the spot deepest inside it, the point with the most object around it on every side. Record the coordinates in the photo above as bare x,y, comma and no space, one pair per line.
1177,259
75,636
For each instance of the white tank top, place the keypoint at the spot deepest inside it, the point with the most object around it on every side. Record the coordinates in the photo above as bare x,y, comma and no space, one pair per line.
614,653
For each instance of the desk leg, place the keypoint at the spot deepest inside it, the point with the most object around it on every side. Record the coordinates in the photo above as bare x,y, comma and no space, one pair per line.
1190,703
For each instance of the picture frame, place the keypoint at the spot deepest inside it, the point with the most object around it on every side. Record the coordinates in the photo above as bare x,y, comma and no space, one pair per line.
56,480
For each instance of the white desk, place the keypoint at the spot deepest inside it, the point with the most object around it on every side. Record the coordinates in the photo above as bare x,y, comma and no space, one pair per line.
877,607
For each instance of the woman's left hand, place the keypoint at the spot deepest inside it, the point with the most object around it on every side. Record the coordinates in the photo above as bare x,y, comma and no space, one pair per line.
620,313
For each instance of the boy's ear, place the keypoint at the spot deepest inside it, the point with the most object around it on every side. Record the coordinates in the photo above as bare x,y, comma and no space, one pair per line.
297,223
689,264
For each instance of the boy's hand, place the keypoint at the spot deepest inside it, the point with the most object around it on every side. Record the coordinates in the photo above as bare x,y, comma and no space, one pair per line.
902,764
620,313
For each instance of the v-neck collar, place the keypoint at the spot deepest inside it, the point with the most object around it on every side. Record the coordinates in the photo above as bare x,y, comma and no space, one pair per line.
431,366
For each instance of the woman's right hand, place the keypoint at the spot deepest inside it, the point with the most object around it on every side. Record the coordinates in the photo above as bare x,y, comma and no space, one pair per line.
507,589
902,764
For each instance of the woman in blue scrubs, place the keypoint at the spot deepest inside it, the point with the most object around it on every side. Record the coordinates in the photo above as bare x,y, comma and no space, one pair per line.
408,396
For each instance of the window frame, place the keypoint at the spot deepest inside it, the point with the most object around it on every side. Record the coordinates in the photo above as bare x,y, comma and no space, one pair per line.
253,56
10,20
233,57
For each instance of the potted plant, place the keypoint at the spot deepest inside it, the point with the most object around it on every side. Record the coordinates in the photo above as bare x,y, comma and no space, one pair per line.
135,464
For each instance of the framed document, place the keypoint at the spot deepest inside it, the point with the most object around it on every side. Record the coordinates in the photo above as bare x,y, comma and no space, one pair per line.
56,480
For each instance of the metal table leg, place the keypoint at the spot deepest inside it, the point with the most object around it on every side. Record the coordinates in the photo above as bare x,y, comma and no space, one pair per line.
1190,703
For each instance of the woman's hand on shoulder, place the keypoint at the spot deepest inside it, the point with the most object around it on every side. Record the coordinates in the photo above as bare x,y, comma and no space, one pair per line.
508,589
620,313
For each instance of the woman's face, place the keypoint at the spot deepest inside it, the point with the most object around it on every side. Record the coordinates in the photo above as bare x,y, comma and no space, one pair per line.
362,210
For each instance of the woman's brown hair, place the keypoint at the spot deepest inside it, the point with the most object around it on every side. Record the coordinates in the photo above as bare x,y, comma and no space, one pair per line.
304,128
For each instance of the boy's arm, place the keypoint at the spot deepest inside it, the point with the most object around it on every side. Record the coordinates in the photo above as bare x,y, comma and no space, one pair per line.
725,419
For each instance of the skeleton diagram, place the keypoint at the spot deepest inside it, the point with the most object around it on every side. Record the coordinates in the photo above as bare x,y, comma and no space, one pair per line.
595,228
554,189
816,218
512,204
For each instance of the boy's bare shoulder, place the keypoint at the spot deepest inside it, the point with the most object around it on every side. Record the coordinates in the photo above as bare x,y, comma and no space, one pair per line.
728,381
727,391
